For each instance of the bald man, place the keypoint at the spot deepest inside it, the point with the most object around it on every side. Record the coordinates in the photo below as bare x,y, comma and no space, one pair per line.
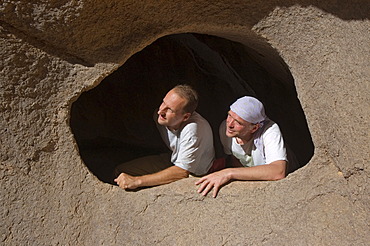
185,132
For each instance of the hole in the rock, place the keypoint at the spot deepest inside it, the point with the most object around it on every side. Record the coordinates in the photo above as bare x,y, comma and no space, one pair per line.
113,122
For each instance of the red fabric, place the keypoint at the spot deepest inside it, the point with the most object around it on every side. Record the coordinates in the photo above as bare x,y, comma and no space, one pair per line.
217,165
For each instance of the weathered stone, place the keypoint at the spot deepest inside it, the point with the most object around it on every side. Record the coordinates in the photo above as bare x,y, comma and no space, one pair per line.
54,51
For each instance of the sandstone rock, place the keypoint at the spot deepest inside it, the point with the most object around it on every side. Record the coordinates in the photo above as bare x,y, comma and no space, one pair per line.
309,59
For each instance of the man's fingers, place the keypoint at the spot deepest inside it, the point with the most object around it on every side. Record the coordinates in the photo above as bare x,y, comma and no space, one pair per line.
207,189
200,180
121,182
202,186
118,178
216,188
124,186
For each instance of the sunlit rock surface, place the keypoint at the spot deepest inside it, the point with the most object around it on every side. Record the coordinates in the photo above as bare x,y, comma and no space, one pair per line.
80,81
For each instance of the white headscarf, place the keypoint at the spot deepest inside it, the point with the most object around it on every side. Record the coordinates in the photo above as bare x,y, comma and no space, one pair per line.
249,109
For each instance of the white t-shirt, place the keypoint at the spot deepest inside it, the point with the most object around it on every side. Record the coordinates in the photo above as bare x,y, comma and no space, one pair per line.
191,146
266,146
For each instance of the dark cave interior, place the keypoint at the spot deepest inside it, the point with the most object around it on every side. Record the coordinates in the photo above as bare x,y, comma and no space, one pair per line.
113,122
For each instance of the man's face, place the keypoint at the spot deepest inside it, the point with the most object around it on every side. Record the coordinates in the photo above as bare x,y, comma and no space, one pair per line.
170,112
237,127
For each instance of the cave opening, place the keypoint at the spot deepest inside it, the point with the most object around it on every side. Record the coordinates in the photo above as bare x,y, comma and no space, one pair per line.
113,122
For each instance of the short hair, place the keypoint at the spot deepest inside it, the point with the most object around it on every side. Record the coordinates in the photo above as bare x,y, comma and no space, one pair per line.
190,95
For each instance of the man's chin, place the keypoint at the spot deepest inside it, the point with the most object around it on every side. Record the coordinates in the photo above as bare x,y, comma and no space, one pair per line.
161,122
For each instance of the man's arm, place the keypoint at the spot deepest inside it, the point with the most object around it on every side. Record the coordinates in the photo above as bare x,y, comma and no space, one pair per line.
272,171
165,176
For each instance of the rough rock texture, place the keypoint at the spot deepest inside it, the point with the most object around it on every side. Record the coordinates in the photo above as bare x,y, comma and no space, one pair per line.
53,51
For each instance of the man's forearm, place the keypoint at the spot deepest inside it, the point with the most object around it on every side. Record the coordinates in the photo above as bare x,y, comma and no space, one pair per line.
272,171
165,176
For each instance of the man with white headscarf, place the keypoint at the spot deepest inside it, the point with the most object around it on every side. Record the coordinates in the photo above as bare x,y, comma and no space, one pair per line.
254,144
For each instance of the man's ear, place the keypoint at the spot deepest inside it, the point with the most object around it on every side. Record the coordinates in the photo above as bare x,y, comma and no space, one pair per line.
255,127
186,117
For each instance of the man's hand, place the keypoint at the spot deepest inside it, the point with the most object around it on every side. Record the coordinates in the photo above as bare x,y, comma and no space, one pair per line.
272,171
213,181
126,181
165,176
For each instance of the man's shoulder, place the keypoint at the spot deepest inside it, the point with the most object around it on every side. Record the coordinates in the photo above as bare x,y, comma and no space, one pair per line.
196,125
196,117
270,125
271,128
195,120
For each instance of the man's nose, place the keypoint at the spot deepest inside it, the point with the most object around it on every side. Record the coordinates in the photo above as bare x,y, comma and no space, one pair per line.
160,109
230,122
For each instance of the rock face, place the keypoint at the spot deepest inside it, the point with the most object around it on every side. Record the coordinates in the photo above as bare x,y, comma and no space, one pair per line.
80,81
